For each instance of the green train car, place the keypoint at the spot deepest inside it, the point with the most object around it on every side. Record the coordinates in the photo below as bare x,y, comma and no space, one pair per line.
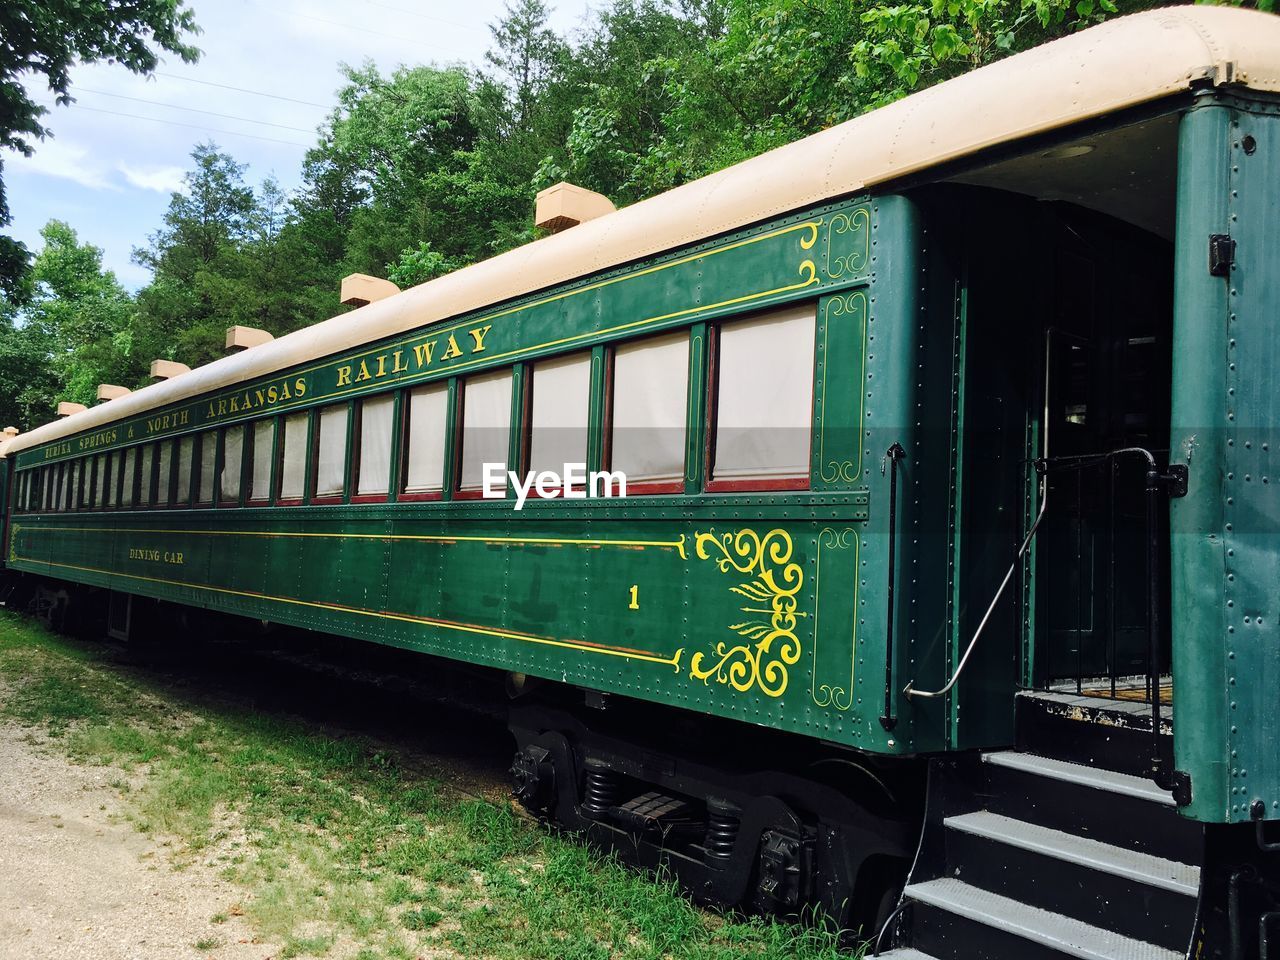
944,595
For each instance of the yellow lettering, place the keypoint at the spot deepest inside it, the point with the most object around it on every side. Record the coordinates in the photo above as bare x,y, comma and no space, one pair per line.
344,376
364,373
422,353
478,335
222,409
262,397
235,404
284,391
300,387
397,366
209,414
382,365
273,394
453,351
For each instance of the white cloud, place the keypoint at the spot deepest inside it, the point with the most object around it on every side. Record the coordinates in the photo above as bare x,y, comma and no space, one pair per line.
160,179
66,161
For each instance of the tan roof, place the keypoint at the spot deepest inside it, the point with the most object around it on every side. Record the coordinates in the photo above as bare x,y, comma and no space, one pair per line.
1122,63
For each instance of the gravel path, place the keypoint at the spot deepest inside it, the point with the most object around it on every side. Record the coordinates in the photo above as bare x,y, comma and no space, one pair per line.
76,880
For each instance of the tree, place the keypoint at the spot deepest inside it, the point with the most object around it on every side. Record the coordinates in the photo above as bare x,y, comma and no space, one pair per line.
198,261
72,333
45,37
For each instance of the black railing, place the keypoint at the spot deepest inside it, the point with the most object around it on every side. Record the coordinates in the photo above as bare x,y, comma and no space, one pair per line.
1115,502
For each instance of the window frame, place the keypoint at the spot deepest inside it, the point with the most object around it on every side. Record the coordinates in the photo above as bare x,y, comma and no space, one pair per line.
403,495
277,471
646,488
313,459
268,498
525,459
219,464
355,431
459,395
763,485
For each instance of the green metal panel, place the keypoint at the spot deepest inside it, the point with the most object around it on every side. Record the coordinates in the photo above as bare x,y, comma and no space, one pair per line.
1226,544
770,608
1225,539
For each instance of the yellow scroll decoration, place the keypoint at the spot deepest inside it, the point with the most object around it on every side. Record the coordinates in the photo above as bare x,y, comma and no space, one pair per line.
770,644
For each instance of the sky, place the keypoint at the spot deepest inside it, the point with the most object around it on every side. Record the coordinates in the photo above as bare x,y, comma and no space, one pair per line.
120,150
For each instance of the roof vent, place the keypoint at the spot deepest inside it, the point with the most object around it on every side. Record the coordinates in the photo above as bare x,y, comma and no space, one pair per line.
242,338
66,408
167,369
9,432
565,205
360,289
109,391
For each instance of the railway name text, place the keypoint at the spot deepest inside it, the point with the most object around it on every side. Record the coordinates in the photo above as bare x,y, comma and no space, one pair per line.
255,399
420,357
96,440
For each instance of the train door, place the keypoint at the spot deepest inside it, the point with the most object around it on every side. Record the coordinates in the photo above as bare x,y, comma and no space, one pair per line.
1096,585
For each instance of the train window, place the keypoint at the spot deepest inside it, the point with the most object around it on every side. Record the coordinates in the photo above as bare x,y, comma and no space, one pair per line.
648,412
293,457
73,488
486,428
373,466
164,473
128,471
57,487
146,475
232,465
764,401
113,479
208,460
331,452
424,432
264,433
100,482
561,401
186,463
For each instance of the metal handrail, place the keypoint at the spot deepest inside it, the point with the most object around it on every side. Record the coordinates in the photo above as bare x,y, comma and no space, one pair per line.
909,691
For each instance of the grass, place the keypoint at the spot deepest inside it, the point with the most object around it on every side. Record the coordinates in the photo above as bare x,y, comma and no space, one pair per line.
342,846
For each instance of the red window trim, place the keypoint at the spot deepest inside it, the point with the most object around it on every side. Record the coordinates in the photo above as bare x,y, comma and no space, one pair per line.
477,494
649,488
326,501
753,486
291,502
370,498
420,496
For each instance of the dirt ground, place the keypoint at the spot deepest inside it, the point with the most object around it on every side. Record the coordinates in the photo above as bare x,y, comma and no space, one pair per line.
76,880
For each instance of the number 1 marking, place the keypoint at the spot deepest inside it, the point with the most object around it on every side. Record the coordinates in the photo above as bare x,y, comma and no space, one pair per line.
635,597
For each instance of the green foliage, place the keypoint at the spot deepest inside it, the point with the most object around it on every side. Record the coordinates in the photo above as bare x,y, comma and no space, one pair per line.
45,37
73,331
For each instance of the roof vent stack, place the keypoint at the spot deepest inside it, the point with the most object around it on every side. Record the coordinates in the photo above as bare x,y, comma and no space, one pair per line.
245,338
109,391
360,290
66,408
8,433
167,369
565,205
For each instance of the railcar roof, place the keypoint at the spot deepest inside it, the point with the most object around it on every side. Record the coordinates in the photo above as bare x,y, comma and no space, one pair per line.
1119,64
